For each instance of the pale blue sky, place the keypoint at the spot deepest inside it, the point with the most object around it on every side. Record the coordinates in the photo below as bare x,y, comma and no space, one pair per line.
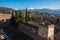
22,4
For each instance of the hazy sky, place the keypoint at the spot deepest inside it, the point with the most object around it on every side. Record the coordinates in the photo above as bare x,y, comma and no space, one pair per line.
22,4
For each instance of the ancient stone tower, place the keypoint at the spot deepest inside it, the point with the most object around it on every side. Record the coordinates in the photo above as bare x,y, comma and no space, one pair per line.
50,32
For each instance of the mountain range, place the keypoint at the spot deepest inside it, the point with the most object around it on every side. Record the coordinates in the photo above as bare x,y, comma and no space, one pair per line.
45,10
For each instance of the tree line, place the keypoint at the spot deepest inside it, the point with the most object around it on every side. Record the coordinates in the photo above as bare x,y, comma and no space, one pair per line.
18,16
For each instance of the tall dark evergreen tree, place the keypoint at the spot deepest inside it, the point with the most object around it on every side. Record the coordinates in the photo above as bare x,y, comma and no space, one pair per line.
11,17
57,20
39,20
16,16
13,21
26,16
20,16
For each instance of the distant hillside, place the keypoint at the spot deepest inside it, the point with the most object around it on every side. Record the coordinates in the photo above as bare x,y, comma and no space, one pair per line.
6,10
45,10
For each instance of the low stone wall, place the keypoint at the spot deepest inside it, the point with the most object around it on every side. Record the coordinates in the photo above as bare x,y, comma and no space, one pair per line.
30,30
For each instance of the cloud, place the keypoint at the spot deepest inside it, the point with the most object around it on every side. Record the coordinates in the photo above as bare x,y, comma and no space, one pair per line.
31,8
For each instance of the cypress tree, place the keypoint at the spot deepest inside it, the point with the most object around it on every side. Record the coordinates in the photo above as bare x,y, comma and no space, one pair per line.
11,17
16,16
57,20
13,21
20,16
39,20
26,16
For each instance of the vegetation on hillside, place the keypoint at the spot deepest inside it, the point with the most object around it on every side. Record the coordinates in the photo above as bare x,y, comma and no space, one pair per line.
25,15
6,10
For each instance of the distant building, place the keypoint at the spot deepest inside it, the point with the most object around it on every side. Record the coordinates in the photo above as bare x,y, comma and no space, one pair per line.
4,17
